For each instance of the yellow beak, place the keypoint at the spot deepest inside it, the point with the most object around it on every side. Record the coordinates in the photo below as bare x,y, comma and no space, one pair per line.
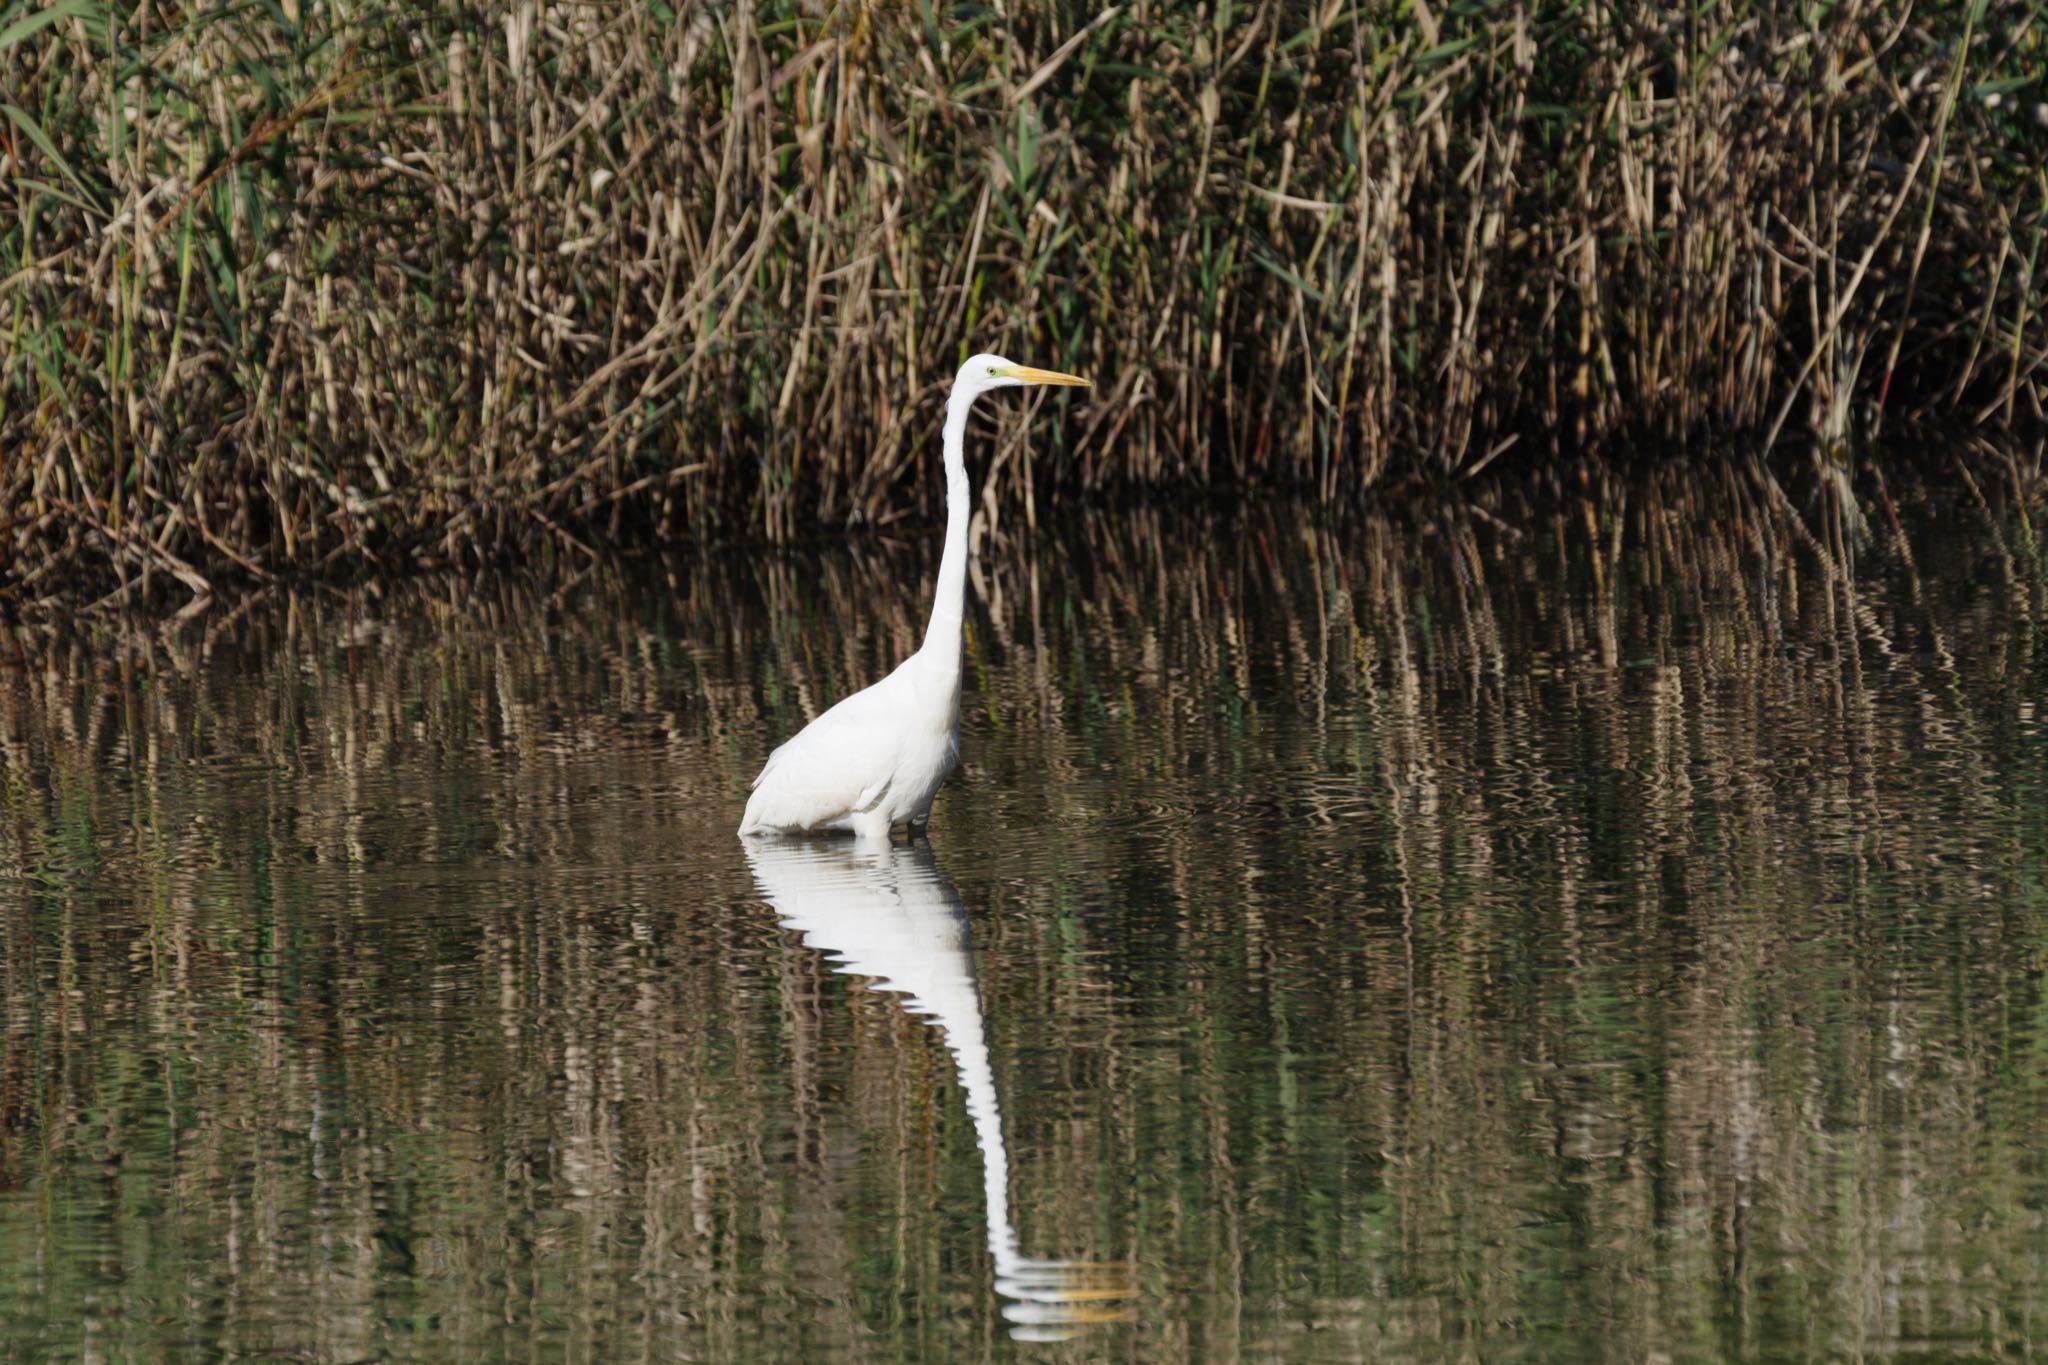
1024,374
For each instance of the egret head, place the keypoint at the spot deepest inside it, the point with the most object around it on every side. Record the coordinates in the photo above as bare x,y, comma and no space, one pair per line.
984,372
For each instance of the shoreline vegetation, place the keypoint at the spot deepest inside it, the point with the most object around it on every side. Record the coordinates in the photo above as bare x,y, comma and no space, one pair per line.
306,289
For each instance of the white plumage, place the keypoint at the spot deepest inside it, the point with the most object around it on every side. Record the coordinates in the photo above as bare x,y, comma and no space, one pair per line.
876,759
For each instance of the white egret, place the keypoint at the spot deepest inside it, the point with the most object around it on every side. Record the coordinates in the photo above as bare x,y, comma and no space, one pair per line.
877,758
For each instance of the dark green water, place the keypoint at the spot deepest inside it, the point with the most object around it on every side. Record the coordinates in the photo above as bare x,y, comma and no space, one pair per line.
1563,936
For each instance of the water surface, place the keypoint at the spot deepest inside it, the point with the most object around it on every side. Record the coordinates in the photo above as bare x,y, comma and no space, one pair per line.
1575,932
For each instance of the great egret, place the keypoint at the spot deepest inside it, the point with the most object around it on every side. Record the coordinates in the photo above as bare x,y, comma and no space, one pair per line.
877,758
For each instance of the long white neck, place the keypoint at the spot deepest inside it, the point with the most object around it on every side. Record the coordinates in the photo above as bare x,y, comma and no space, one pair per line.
942,636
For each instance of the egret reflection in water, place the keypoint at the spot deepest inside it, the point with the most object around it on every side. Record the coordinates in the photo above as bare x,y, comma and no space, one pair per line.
886,913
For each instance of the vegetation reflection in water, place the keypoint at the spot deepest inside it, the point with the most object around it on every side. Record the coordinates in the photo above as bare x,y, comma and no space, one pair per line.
1590,930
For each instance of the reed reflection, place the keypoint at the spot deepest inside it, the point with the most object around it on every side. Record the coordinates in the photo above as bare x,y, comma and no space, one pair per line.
886,912
1594,932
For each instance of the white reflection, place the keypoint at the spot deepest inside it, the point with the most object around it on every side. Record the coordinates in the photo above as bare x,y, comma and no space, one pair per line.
886,912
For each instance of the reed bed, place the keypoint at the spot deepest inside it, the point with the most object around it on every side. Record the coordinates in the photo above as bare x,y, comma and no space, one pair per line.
326,288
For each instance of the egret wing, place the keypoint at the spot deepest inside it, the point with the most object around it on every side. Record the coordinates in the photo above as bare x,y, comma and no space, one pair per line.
838,765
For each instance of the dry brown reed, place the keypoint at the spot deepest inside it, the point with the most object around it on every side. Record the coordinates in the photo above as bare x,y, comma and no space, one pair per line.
319,288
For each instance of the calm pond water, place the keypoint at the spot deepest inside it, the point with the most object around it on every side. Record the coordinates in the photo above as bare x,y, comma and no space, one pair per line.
1562,933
